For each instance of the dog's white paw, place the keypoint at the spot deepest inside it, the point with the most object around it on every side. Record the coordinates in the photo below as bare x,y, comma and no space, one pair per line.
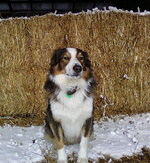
82,160
62,157
62,161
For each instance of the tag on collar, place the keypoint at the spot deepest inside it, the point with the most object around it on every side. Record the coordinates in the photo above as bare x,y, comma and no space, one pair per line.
68,95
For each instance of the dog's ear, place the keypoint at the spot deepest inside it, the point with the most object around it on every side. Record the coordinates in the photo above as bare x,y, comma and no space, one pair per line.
57,56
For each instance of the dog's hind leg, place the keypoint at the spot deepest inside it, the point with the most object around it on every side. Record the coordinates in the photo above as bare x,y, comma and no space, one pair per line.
86,133
55,133
62,157
59,142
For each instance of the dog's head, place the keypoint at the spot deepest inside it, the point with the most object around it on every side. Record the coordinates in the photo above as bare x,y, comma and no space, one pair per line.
72,62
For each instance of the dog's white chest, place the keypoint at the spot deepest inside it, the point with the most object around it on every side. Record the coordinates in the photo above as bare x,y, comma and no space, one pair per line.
72,115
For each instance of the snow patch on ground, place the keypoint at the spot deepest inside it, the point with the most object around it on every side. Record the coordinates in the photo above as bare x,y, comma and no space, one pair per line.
116,137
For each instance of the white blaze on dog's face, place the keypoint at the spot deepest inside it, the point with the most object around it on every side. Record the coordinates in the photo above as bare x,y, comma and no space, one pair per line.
70,63
74,68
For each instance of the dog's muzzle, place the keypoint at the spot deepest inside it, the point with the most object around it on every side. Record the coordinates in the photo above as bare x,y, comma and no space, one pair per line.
77,69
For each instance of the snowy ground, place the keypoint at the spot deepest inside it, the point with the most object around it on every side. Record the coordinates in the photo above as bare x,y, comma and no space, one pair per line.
115,137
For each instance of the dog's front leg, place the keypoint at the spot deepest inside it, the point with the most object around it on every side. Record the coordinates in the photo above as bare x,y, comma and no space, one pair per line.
86,133
82,155
62,157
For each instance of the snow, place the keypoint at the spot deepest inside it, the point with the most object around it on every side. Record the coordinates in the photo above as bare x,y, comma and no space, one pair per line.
116,137
126,76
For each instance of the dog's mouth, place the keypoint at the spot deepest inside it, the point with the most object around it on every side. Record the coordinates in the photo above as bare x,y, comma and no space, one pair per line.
74,76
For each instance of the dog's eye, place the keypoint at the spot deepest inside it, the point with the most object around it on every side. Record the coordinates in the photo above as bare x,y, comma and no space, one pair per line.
66,58
81,58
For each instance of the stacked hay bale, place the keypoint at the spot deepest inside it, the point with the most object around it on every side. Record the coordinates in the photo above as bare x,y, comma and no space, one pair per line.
118,44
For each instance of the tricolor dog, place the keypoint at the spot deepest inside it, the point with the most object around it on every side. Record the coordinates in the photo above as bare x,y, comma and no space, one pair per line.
70,87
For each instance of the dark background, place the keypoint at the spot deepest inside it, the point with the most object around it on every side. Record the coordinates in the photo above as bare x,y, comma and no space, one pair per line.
13,8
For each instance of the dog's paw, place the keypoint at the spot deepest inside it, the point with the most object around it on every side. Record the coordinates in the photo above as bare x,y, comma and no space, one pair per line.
62,157
62,161
82,160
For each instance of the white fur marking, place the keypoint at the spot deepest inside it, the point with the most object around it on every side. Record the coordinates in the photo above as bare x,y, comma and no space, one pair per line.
62,157
66,83
82,155
73,61
72,118
72,51
71,112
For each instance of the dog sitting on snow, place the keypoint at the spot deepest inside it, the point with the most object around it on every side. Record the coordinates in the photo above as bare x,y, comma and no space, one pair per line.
70,87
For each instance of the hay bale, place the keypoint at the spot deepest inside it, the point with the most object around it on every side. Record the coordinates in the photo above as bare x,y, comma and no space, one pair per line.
15,83
118,45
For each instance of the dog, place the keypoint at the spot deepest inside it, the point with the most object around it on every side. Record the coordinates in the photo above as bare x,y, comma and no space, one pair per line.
70,90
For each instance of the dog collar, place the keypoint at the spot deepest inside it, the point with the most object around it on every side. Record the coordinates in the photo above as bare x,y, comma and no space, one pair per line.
71,92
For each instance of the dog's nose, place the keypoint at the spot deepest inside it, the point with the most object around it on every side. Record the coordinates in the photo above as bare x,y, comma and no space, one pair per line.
77,68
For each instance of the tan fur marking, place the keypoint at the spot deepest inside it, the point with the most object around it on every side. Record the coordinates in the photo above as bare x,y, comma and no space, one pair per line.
86,74
59,143
66,55
56,71
83,131
62,64
80,58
